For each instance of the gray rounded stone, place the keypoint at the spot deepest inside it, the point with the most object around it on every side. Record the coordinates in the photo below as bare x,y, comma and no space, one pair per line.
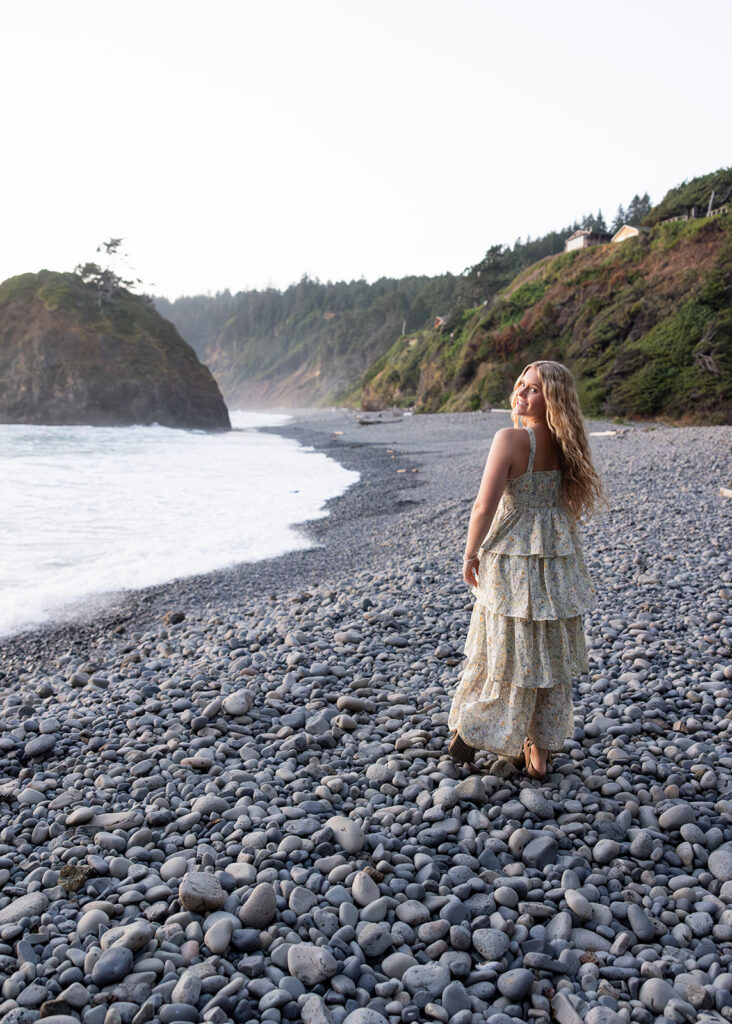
364,888
302,900
720,862
91,922
674,817
31,905
539,852
375,938
239,703
605,850
134,935
559,927
348,833
455,998
242,872
516,984
261,907
23,1015
200,892
642,845
490,942
174,867
113,965
536,804
30,796
54,1018
429,978
588,941
396,964
79,816
579,904
76,995
39,746
364,1015
700,922
314,1011
209,804
639,921
655,994
311,964
218,936
602,1015
187,989
413,913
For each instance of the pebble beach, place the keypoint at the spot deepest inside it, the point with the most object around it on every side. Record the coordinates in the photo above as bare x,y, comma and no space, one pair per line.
229,798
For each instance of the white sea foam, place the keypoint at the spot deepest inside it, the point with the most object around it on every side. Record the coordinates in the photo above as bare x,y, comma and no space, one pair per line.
85,511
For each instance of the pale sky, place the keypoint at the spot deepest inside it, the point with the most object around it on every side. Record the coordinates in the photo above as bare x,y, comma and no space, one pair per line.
242,143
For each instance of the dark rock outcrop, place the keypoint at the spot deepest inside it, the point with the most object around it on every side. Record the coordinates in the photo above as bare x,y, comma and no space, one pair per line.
71,356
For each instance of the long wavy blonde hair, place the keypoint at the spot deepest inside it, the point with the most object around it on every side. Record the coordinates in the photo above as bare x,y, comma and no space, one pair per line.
581,486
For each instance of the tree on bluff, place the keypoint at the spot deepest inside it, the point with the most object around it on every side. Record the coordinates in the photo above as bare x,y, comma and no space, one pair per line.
638,207
104,279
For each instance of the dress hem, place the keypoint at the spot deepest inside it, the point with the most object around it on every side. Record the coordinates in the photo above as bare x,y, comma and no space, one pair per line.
504,752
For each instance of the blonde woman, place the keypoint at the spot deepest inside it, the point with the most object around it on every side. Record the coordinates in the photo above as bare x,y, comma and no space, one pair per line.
523,557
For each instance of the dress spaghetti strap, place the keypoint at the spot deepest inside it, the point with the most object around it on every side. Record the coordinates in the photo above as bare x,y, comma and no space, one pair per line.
532,449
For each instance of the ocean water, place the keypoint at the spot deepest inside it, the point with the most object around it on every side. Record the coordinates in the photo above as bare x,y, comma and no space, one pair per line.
88,511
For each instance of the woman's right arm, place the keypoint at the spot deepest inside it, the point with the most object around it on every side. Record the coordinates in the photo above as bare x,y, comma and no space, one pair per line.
495,475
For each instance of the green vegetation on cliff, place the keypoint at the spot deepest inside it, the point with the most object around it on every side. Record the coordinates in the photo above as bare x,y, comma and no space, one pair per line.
310,342
71,354
694,194
645,326
126,314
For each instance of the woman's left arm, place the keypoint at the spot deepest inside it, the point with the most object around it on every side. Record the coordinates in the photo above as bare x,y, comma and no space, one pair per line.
491,488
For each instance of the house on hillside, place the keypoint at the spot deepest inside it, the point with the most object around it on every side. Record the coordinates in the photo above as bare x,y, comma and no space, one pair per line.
440,322
628,231
711,211
583,238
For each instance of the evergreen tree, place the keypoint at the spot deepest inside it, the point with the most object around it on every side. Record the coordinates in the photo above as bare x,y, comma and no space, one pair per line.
619,219
106,281
638,207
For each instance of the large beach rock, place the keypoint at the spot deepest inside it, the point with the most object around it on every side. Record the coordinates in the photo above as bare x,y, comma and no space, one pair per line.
31,905
70,355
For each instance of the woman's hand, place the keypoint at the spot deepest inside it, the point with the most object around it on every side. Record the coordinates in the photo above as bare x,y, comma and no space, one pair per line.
470,571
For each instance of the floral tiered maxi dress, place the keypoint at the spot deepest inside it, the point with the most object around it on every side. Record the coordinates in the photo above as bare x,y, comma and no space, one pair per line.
526,639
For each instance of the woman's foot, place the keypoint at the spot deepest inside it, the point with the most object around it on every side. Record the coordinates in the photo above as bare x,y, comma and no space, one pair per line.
460,751
537,760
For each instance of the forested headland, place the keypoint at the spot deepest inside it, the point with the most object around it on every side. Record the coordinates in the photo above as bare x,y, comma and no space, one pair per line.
646,325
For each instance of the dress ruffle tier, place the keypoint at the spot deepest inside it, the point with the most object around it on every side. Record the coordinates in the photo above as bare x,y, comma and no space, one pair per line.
526,639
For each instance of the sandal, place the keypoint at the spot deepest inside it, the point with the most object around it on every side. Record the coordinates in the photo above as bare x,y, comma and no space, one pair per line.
530,769
460,751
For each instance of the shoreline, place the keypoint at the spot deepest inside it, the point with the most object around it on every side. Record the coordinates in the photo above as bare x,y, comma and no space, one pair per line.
119,607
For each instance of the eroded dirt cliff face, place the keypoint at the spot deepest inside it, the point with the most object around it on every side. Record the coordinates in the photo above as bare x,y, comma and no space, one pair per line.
63,363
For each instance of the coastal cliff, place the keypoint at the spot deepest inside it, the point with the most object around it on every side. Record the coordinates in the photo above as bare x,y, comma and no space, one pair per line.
71,356
645,326
309,344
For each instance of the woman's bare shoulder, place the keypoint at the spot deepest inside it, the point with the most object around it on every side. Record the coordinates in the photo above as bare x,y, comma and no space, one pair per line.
511,438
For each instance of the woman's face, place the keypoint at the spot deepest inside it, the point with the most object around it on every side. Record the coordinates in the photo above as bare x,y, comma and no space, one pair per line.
529,397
